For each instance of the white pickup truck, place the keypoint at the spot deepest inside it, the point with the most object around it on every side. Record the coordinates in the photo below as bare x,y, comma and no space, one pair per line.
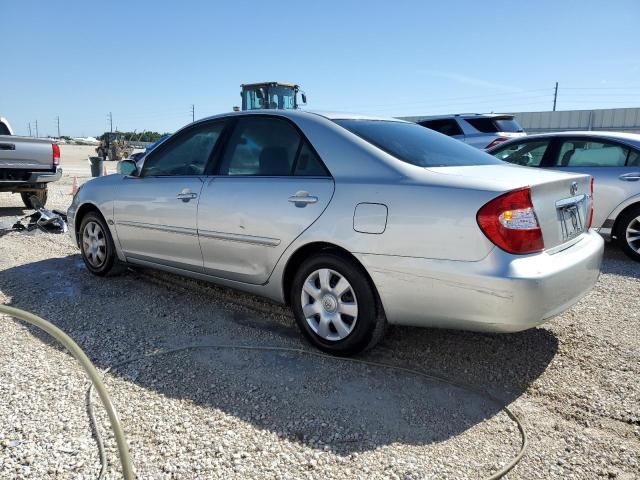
27,165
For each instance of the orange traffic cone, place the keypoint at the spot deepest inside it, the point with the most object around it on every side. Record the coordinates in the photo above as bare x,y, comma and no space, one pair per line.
75,186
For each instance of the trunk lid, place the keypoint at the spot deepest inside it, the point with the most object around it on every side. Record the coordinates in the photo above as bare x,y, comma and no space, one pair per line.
560,200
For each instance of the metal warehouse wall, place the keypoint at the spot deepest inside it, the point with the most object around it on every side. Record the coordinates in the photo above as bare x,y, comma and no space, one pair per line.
612,119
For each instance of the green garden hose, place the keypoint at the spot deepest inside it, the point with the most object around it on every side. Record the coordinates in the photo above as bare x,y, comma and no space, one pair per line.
123,448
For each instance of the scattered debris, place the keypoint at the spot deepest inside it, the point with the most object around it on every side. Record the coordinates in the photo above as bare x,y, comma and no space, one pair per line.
49,221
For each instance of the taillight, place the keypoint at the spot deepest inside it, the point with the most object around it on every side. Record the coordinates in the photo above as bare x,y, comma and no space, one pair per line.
496,142
56,154
510,222
590,206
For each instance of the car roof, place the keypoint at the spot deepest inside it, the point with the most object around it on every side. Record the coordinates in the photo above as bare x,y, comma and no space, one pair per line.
465,115
633,138
297,113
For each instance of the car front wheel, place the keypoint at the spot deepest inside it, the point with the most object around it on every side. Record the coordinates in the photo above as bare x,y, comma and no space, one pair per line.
335,305
96,246
628,233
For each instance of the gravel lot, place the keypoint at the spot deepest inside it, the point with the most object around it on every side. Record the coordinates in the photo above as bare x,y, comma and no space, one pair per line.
242,414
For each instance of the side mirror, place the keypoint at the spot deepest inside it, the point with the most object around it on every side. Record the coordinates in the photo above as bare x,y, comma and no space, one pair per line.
128,168
304,98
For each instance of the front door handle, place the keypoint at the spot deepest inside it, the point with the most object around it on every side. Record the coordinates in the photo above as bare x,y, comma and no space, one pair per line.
302,198
630,177
185,195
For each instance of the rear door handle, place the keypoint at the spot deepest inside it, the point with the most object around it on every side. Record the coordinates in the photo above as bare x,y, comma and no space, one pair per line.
7,146
630,177
302,198
185,195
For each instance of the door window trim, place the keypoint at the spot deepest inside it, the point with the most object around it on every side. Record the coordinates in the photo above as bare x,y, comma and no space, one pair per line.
178,136
213,169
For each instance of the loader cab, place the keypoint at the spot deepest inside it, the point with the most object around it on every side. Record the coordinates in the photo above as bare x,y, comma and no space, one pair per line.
271,95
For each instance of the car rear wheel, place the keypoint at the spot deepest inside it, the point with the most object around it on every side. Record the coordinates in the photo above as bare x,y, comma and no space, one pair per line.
628,233
96,246
335,305
35,200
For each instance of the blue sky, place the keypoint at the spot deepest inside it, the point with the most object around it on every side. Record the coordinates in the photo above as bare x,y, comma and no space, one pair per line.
147,63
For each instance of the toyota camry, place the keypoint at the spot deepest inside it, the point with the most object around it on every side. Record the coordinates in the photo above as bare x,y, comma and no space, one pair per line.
356,222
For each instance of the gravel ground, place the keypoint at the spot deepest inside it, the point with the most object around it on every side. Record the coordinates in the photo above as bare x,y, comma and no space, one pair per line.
210,413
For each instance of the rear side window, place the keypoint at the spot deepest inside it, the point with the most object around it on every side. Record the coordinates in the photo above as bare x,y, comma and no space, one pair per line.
447,126
528,154
417,145
587,153
4,130
494,124
633,160
267,146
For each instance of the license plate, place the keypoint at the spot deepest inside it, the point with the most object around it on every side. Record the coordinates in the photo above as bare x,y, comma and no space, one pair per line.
572,224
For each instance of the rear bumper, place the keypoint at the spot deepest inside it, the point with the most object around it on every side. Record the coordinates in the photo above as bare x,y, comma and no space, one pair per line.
33,178
501,293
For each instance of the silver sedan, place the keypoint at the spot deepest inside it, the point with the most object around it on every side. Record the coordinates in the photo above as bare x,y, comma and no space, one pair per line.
353,221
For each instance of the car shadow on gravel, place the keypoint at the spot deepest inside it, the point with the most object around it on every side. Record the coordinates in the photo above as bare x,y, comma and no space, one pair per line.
320,402
616,262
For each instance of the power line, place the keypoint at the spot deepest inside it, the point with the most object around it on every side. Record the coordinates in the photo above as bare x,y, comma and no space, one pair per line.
447,99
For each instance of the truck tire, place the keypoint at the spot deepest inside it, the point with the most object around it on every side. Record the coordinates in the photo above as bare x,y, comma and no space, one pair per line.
40,198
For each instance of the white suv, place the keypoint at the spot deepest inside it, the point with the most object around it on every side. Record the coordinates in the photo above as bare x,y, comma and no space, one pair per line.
477,129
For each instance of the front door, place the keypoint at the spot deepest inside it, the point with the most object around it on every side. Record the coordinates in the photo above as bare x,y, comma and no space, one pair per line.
269,187
156,212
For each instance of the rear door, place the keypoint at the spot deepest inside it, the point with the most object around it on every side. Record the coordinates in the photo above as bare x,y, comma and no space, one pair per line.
156,212
614,166
268,188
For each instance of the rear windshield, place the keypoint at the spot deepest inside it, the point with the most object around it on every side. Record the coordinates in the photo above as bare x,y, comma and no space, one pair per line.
494,125
4,130
417,145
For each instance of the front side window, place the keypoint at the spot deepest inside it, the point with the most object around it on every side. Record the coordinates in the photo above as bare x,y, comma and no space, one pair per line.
587,153
187,154
416,145
528,154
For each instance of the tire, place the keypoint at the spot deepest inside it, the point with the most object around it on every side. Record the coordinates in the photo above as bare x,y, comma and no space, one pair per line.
335,305
40,198
628,233
96,246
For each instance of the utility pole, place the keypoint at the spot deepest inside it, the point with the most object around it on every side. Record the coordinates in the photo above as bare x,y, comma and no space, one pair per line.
193,112
30,129
555,97
111,122
58,122
37,136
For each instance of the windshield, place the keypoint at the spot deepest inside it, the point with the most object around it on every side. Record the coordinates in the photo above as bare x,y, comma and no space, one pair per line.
417,145
281,97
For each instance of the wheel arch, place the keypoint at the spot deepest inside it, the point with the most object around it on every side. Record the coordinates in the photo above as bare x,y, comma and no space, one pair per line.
616,224
314,248
81,213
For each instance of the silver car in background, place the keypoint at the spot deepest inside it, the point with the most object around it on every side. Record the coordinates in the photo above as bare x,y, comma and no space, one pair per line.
353,221
612,159
480,130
